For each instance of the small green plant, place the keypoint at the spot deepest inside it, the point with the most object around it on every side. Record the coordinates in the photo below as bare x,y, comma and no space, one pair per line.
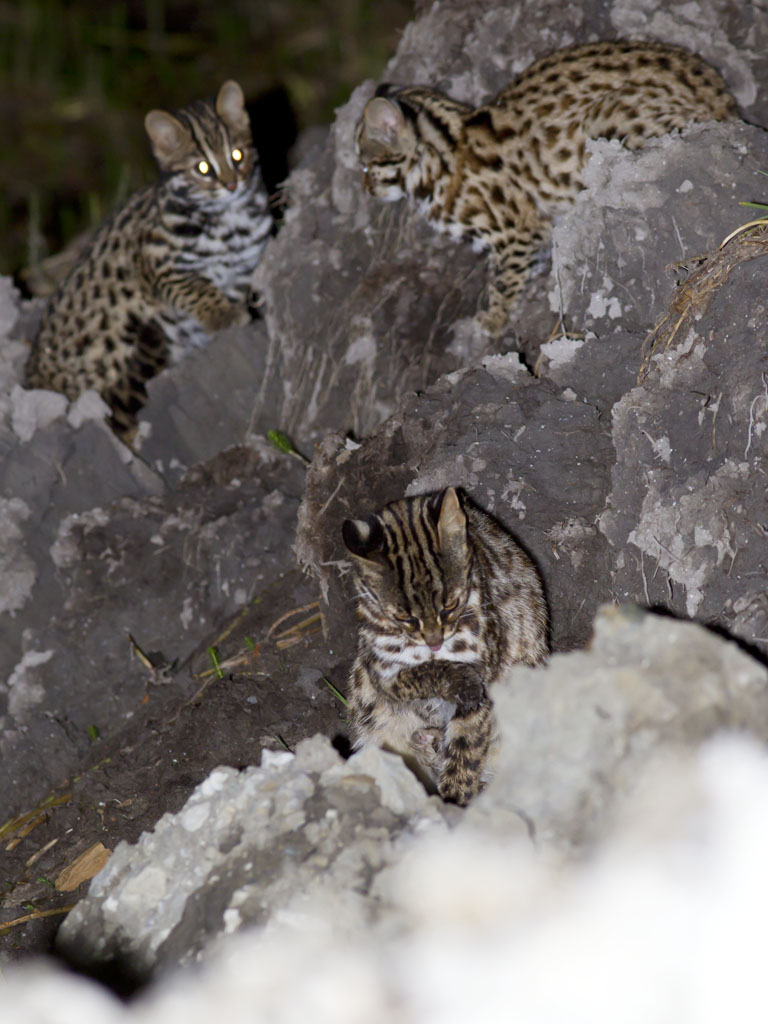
284,444
336,693
213,654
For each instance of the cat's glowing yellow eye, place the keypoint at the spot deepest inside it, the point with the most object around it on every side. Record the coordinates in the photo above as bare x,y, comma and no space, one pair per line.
204,167
237,155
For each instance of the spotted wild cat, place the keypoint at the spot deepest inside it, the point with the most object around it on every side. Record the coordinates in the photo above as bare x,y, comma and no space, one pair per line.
173,264
446,601
496,174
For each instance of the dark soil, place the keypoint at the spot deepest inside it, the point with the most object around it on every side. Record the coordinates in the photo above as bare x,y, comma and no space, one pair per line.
183,726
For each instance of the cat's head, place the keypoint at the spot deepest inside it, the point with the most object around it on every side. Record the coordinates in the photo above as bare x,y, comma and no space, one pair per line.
208,144
386,145
413,562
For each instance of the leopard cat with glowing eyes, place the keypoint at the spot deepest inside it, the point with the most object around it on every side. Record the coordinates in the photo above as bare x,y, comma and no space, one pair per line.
446,601
497,174
168,268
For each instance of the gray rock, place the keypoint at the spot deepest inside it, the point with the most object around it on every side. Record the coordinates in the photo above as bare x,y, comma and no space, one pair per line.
280,844
248,847
475,923
579,733
163,572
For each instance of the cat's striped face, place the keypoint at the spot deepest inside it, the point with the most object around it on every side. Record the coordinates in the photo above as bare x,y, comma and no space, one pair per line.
207,146
386,146
413,566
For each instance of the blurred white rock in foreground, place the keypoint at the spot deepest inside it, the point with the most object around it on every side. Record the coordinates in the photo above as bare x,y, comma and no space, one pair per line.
663,923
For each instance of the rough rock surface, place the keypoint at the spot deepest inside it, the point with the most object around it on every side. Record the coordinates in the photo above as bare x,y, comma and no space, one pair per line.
302,833
664,923
648,491
248,847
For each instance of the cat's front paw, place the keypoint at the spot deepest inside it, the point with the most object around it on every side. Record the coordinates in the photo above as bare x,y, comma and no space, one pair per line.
235,314
458,787
493,321
428,745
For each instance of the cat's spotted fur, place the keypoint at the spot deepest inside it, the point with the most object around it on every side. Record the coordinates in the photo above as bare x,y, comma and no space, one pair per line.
446,601
173,264
497,174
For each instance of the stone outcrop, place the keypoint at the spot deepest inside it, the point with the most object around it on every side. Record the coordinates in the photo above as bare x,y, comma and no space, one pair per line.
631,465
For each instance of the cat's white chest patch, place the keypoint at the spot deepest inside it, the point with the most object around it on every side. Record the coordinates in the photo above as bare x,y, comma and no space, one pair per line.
462,646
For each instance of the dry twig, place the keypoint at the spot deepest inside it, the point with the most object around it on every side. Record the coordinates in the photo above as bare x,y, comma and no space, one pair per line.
694,295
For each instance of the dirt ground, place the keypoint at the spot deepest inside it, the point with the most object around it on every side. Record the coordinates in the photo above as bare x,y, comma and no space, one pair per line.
262,695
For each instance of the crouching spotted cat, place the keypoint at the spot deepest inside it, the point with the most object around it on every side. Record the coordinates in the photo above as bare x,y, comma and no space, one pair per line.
172,265
446,601
497,174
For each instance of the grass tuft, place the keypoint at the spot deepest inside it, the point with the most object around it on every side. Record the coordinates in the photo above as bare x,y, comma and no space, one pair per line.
213,654
336,693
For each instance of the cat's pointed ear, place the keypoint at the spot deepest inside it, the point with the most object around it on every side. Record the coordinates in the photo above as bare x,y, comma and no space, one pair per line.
168,136
383,123
364,538
230,105
451,522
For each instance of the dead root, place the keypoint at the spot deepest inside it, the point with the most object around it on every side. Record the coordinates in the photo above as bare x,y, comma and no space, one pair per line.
694,295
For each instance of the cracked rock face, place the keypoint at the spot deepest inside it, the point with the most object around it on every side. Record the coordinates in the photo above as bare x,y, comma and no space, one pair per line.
478,924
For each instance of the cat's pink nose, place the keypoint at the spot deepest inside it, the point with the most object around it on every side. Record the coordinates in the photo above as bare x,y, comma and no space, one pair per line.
435,646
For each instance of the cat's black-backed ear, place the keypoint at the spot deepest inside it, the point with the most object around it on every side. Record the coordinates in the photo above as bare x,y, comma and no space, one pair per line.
168,136
364,538
383,123
451,521
230,105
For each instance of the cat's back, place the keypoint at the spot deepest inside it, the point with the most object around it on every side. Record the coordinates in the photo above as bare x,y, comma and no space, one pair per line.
500,557
100,292
656,79
511,589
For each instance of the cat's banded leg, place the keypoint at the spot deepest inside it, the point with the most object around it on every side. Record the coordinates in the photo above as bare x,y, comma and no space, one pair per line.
431,679
127,394
467,741
200,297
510,264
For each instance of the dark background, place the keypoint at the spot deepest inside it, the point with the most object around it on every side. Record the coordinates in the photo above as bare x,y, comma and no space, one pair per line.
77,77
